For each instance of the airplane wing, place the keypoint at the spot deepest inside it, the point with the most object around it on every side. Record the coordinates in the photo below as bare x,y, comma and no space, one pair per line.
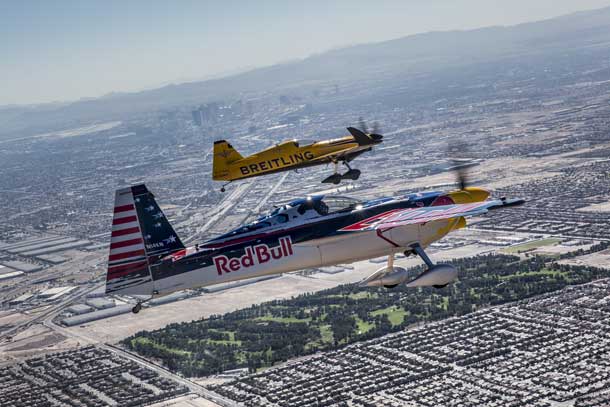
342,155
335,154
414,216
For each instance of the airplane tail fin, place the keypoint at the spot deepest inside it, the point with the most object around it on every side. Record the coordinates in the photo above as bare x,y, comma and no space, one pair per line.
224,155
359,136
140,234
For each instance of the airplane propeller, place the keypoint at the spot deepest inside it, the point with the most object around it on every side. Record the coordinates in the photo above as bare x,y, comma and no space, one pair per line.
376,129
462,177
374,133
457,166
466,192
362,125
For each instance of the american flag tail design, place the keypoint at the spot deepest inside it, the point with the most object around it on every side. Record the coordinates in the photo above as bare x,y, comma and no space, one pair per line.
140,235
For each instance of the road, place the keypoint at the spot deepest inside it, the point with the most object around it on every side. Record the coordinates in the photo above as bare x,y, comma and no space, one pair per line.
194,387
85,340
263,201
231,200
223,207
51,312
46,317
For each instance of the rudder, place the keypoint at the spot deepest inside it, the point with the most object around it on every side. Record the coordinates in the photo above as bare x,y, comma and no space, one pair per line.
224,156
140,234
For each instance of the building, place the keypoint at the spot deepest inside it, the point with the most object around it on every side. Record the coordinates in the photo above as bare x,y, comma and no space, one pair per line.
180,295
97,293
54,293
21,299
206,114
79,309
197,117
95,315
100,303
10,274
22,266
52,258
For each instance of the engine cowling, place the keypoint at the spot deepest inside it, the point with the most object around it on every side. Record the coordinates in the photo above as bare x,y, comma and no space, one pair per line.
397,276
437,276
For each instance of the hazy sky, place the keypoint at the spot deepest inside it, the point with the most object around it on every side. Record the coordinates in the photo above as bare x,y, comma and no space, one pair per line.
65,50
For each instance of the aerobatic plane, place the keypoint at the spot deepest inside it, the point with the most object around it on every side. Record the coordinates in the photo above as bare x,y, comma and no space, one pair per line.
228,165
147,257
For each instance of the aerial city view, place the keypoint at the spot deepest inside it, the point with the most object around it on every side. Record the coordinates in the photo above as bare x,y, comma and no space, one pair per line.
353,204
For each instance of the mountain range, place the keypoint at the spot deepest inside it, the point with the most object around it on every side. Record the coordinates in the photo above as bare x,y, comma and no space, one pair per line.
426,53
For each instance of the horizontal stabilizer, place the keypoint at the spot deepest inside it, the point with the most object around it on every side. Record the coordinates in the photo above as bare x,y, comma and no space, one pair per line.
360,137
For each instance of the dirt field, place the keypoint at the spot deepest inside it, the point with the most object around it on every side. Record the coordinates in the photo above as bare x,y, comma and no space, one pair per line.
600,259
116,328
33,341
601,207
560,249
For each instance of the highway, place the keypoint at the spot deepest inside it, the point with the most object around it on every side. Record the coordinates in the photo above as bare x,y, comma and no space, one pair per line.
263,201
223,207
194,387
231,200
51,312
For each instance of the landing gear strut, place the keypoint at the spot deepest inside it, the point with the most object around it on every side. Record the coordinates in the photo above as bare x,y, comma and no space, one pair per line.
352,174
437,275
223,189
390,269
138,307
388,276
421,253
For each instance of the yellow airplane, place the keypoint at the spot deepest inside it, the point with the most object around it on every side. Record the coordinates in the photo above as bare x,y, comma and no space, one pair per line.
230,166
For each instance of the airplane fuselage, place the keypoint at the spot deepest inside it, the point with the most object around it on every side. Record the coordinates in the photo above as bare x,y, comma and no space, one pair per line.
147,257
311,244
289,155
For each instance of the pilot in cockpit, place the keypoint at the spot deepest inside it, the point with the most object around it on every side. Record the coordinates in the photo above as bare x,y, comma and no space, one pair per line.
298,211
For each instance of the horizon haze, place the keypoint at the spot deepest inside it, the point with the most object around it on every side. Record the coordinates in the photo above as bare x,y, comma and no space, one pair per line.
69,51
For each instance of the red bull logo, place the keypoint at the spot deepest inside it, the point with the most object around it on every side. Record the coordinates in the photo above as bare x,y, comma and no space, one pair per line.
254,255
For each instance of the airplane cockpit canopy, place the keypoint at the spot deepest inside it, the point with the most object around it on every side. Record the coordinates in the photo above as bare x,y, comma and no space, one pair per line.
287,143
319,205
297,211
341,203
294,143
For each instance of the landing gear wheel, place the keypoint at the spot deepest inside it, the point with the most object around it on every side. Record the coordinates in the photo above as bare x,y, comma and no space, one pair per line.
136,308
222,189
391,286
440,286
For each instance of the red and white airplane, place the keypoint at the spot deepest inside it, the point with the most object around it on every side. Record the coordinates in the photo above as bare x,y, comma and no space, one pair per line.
148,258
